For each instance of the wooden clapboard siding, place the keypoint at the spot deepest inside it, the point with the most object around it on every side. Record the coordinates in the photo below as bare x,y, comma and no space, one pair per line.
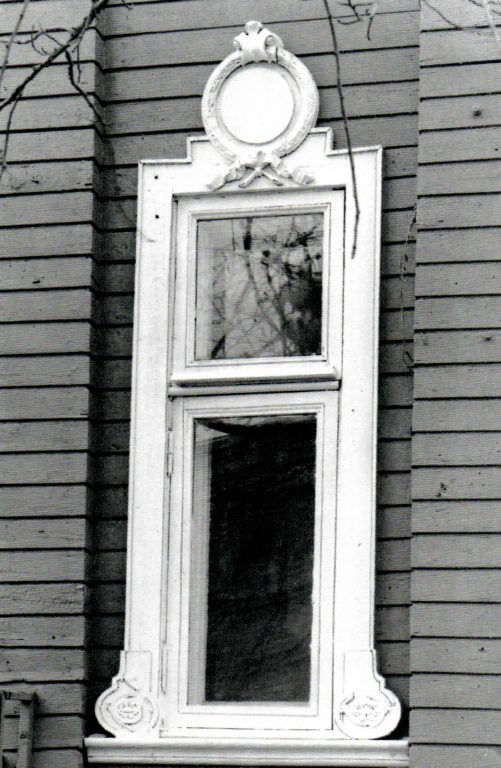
49,221
455,582
159,56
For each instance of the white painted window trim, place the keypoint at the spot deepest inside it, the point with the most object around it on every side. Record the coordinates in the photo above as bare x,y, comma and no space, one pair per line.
363,709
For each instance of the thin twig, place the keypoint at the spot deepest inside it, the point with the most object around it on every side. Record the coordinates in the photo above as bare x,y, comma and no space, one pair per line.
74,37
339,84
488,12
79,89
11,40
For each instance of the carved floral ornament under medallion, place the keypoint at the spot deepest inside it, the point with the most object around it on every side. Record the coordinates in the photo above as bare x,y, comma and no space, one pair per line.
259,104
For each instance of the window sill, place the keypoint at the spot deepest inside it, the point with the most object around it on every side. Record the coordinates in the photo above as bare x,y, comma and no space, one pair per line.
230,751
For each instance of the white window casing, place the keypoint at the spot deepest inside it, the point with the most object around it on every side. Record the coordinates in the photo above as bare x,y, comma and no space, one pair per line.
147,709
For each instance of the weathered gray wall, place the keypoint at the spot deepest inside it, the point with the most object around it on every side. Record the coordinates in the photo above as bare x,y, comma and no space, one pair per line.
48,235
456,624
148,65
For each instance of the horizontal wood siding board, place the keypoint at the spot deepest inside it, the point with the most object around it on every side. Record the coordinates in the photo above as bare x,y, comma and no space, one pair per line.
460,79
457,312
455,517
43,665
48,208
476,586
482,346
49,732
451,756
36,599
44,403
52,144
45,370
457,620
458,279
468,449
460,112
29,274
456,726
447,14
56,698
46,305
53,81
459,245
56,240
456,46
41,534
26,54
442,655
457,381
46,632
42,566
455,691
43,468
459,178
459,144
455,551
460,211
58,758
45,338
43,501
29,178
44,436
456,483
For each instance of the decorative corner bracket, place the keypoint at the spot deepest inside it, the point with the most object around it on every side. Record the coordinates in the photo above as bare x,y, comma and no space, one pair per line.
368,710
259,104
127,708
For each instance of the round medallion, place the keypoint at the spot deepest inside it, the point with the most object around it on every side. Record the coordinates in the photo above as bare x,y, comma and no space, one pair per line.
259,99
256,103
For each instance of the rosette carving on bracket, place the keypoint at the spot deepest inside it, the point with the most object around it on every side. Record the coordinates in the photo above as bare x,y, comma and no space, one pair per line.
128,707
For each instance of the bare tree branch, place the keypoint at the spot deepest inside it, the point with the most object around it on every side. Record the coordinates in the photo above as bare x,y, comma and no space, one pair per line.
339,84
11,40
76,85
74,38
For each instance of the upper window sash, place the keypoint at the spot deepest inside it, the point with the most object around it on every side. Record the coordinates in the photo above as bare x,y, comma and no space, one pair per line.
243,266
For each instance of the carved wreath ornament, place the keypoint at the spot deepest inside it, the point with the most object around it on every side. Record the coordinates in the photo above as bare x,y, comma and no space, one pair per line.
259,104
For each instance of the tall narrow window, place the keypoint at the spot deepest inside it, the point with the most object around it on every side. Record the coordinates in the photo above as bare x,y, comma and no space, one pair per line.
250,575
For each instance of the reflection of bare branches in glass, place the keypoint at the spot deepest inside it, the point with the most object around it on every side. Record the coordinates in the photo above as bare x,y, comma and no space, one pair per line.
259,287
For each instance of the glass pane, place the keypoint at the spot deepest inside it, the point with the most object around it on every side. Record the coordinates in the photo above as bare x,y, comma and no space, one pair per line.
259,287
252,572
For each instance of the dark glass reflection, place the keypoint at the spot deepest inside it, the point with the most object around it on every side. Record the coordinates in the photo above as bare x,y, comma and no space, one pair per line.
259,287
259,493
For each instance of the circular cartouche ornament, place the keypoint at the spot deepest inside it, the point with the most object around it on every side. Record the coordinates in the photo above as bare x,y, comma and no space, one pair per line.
260,103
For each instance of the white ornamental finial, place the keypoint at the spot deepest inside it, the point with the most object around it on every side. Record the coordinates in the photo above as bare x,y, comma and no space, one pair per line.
257,43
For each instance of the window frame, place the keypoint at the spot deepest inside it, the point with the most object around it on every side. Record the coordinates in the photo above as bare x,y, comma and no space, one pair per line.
276,716
363,708
186,370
